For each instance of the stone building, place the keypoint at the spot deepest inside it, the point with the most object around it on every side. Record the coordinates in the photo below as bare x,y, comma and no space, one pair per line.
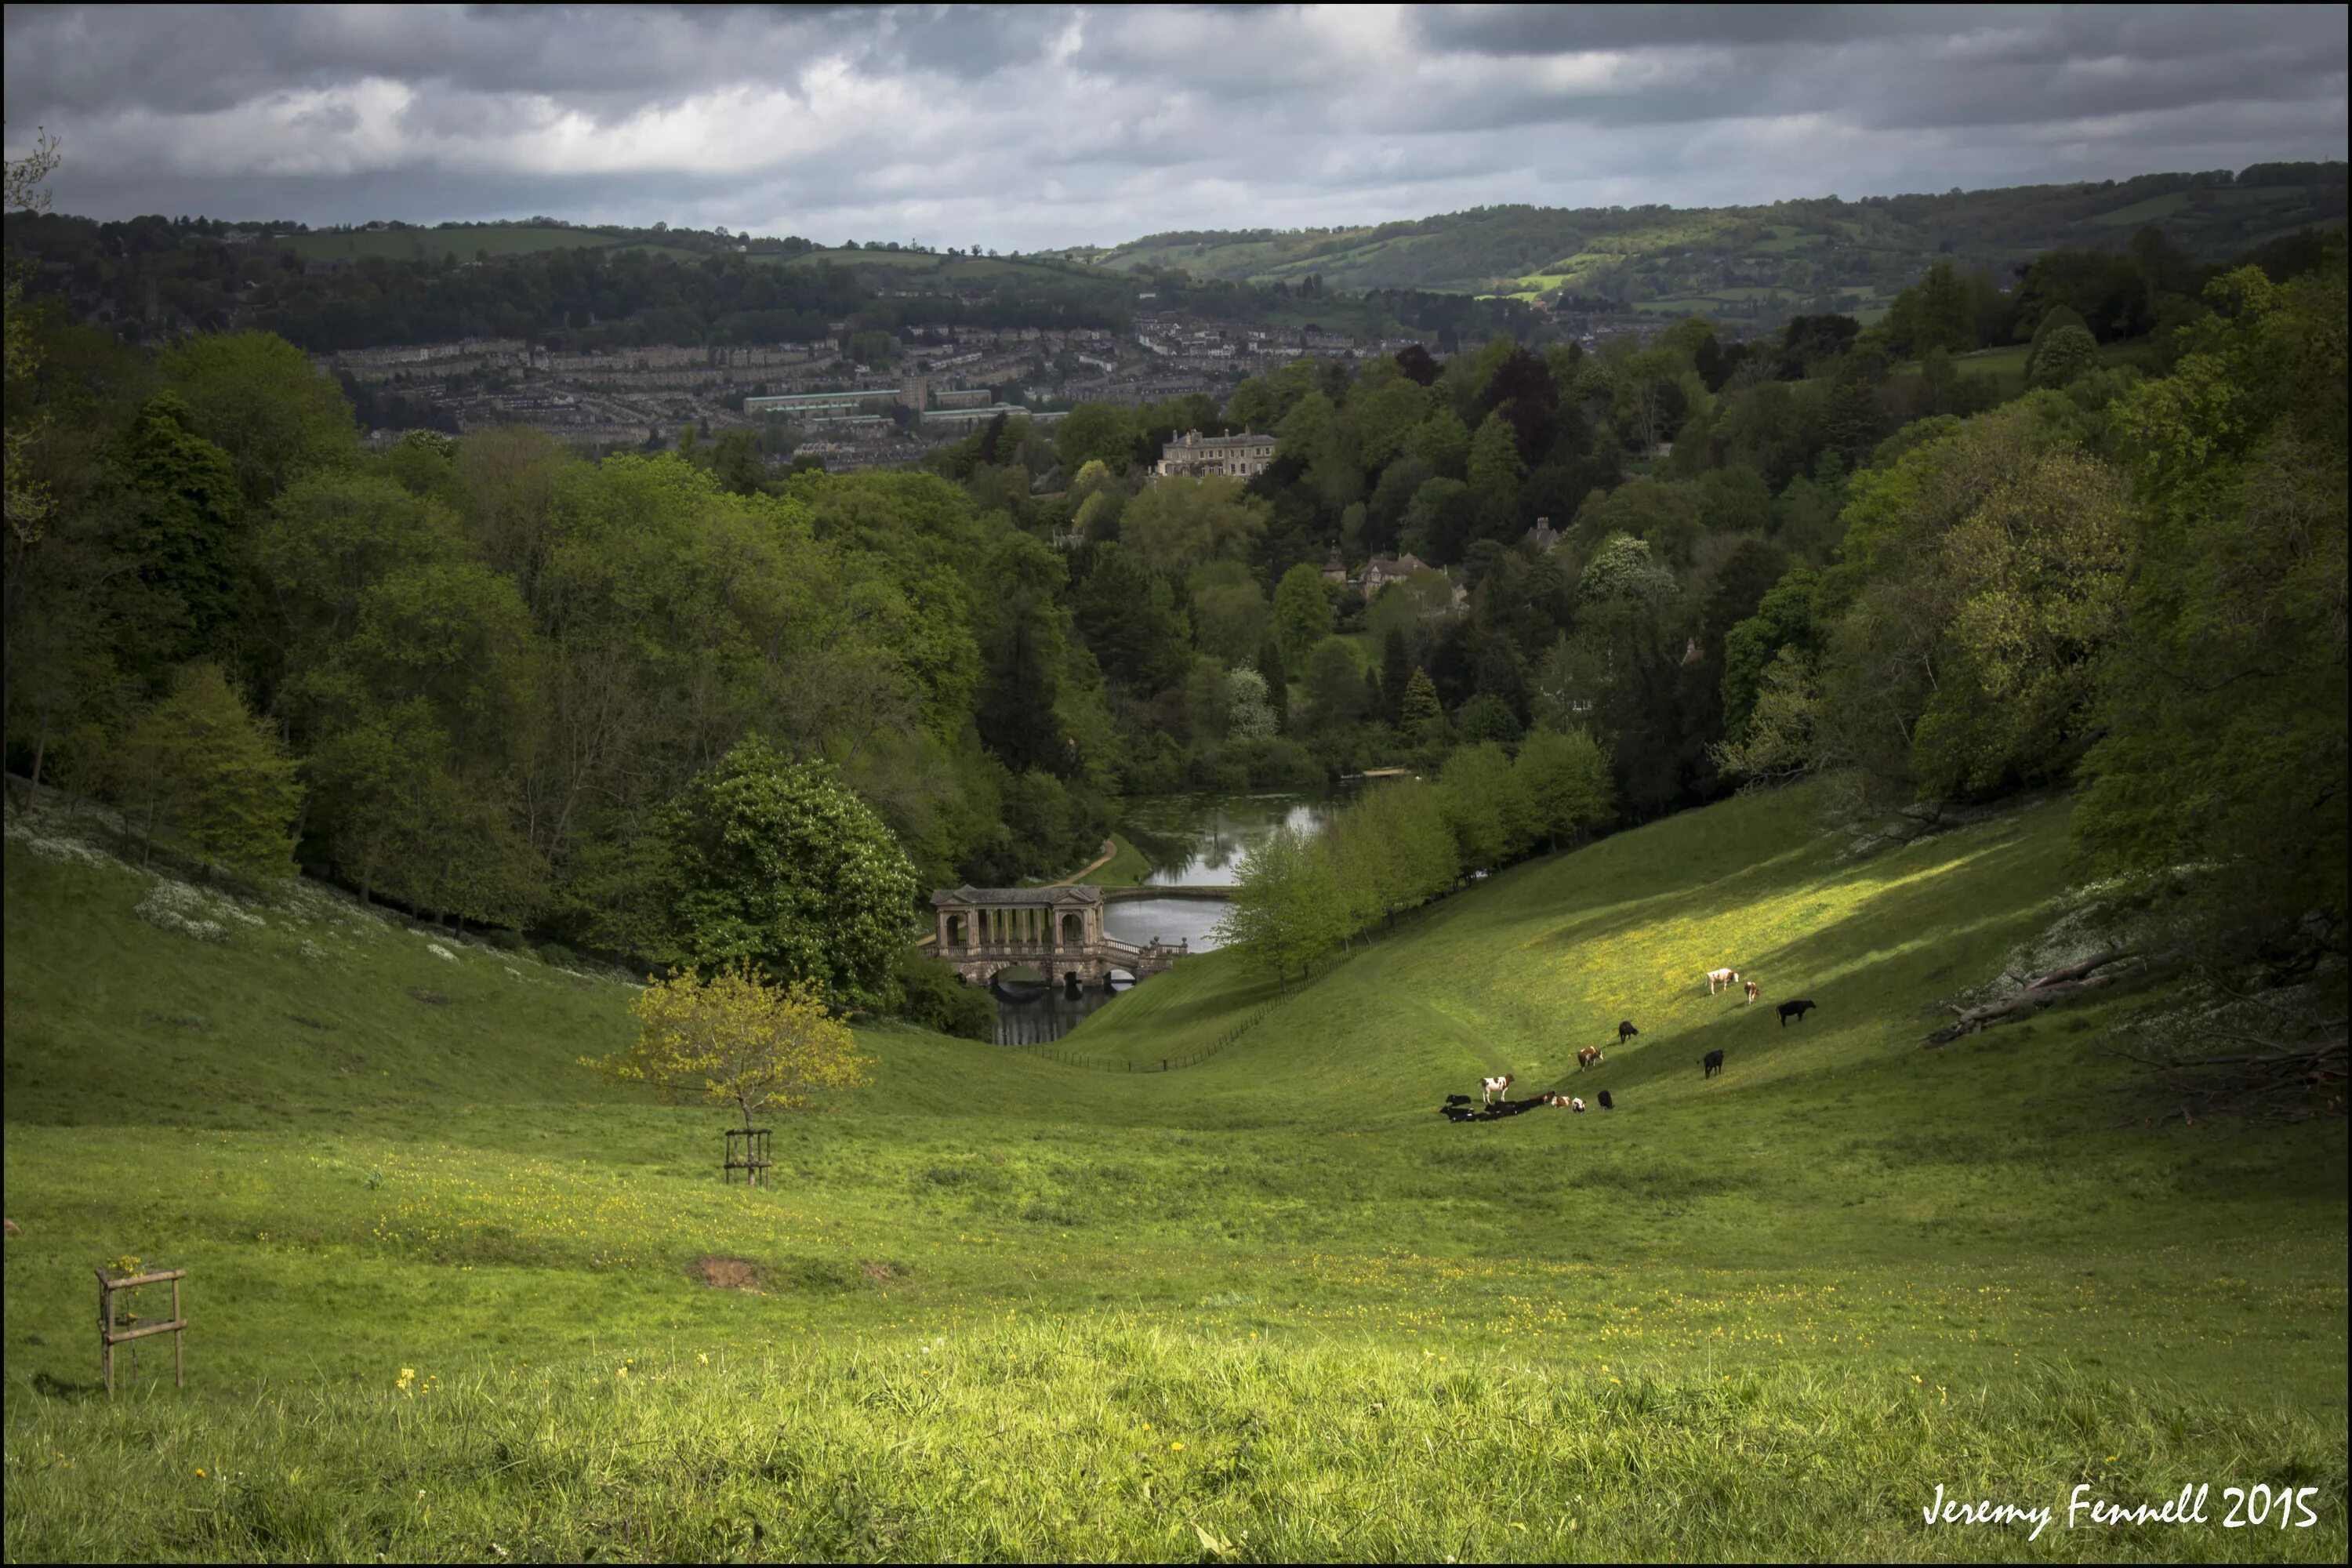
1192,454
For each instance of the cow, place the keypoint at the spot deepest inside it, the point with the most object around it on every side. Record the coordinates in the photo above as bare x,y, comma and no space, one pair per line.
1752,991
1607,1103
1576,1106
1716,979
1625,1031
1457,1113
1796,1010
1712,1062
1495,1087
1588,1057
1460,1100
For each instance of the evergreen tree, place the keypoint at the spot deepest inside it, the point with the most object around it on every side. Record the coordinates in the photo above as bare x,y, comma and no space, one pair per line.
1420,717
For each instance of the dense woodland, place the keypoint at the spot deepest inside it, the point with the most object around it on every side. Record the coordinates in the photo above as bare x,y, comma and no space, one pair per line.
157,279
497,683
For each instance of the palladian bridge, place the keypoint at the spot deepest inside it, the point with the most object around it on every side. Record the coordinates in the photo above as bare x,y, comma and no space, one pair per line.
982,932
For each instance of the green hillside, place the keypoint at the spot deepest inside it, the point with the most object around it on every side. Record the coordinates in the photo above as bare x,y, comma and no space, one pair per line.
1765,260
455,1296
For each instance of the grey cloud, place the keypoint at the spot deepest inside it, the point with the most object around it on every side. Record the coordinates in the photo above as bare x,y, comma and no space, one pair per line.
956,124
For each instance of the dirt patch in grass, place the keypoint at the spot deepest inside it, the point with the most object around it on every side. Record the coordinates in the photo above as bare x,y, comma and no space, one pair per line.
430,998
728,1273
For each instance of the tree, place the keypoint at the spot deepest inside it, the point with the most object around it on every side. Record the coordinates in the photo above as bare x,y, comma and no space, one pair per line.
1096,432
1302,616
1336,693
2062,356
779,866
2222,761
1129,620
1286,908
1177,525
1486,806
1230,618
256,397
745,1040
191,512
213,778
1420,718
1495,465
1396,674
1250,707
1565,780
1277,685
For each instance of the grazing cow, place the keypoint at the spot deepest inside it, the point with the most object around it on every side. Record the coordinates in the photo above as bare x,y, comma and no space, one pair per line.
1625,1031
1495,1087
1457,1113
1716,979
1796,1010
1588,1057
1460,1100
1576,1106
1712,1062
1752,991
1607,1103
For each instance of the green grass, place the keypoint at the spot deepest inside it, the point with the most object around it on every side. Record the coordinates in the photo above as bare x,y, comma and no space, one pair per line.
1760,1315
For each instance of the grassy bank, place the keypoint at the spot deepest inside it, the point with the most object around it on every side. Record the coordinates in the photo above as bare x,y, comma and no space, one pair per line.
1761,1314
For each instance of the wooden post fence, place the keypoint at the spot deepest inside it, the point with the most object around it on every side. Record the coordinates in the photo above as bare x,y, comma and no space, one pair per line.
108,1336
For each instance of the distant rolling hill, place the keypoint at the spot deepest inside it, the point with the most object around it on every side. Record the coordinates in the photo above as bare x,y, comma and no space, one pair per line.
1813,254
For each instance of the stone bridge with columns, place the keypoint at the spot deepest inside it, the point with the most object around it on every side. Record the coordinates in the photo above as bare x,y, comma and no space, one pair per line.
982,932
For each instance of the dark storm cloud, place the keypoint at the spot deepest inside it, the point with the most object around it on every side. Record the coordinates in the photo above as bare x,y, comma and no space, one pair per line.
1036,126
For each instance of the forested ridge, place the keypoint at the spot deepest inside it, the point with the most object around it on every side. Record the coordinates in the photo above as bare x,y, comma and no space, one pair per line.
499,683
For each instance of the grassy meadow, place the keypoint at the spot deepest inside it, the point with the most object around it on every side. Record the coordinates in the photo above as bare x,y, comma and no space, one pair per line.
455,1296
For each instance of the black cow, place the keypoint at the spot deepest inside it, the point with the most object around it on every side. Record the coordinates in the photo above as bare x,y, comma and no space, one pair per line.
1607,1103
1461,1100
1712,1062
1457,1113
1796,1010
1625,1031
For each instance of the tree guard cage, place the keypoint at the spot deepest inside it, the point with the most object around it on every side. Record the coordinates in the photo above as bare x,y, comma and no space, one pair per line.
747,1151
110,1335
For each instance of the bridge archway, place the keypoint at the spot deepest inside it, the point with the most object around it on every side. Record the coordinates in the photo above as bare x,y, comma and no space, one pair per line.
1052,933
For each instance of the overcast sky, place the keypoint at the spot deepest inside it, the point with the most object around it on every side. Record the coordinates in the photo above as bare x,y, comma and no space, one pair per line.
1039,127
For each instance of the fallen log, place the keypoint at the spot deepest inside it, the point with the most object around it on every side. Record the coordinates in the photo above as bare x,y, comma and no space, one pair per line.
2039,991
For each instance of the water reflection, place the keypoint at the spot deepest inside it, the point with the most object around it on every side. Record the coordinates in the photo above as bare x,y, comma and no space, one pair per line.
1206,840
1036,1015
1141,920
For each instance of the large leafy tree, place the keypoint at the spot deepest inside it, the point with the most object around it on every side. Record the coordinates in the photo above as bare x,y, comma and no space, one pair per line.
779,866
1286,908
206,775
2222,710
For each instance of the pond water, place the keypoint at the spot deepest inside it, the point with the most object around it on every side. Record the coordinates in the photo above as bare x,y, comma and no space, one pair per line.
1193,840
1197,840
1038,1015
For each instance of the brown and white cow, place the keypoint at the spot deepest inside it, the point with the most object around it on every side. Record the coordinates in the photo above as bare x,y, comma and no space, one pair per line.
1588,1057
1716,979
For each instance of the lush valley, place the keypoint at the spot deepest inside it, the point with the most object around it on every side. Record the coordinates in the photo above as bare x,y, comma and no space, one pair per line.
1272,1297
399,821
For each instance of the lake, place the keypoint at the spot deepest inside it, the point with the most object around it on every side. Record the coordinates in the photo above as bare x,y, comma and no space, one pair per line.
1191,841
